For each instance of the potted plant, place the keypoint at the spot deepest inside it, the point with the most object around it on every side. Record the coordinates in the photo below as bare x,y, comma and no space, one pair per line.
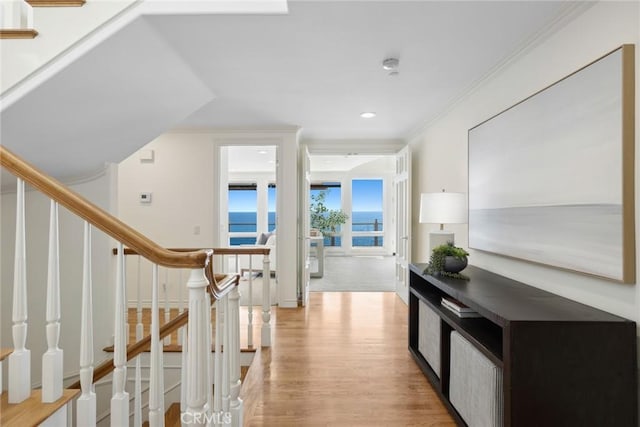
324,219
447,260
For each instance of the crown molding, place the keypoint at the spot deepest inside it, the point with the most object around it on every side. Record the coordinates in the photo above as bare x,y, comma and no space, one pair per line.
568,13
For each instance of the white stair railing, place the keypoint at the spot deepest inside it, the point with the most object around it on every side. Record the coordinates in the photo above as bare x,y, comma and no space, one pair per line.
20,359
120,398
52,360
247,265
86,404
198,337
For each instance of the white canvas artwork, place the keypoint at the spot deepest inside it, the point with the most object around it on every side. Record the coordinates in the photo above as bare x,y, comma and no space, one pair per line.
545,176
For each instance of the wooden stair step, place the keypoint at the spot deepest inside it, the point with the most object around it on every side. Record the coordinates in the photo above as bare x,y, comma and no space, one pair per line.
32,411
4,353
172,415
175,348
56,3
27,33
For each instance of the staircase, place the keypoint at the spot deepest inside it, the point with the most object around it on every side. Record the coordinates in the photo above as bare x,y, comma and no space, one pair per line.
51,405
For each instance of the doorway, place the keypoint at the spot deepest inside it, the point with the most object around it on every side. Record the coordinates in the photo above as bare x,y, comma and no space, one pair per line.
359,254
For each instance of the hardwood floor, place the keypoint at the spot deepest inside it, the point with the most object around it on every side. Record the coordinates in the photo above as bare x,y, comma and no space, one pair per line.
342,361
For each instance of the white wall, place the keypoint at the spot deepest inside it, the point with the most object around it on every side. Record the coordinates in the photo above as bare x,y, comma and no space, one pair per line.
180,179
59,28
183,179
99,191
440,159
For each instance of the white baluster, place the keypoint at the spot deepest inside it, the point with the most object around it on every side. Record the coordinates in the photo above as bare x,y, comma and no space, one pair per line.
20,359
198,382
180,307
226,362
236,405
183,372
137,400
139,325
156,381
137,393
86,404
250,307
167,311
210,367
217,362
265,339
120,399
52,360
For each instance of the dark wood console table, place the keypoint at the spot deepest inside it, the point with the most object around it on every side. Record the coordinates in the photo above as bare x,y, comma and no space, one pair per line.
562,363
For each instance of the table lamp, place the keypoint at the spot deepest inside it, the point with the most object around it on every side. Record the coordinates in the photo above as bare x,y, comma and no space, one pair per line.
442,208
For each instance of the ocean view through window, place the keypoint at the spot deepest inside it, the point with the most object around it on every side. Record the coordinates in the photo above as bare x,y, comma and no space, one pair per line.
367,205
243,214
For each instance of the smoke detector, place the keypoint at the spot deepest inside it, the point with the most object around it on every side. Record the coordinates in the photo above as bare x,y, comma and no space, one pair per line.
391,64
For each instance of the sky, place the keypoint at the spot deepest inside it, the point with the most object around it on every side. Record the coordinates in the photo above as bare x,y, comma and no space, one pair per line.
366,197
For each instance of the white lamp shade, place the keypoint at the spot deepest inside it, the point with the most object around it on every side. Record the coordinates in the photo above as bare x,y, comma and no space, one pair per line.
443,208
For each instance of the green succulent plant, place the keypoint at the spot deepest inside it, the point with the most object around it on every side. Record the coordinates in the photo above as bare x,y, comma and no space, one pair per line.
437,259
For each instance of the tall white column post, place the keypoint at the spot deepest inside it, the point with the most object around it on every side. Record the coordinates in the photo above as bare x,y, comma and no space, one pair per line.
20,359
52,359
86,404
120,398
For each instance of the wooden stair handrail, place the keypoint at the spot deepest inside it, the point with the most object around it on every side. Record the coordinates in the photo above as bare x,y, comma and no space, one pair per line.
106,367
99,218
244,250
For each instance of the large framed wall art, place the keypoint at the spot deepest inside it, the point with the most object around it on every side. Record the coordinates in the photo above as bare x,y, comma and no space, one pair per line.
551,179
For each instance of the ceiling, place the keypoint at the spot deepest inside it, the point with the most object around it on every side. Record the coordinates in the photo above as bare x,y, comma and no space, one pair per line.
316,68
320,66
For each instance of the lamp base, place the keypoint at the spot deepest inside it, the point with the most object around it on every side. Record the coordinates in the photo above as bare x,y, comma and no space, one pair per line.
439,237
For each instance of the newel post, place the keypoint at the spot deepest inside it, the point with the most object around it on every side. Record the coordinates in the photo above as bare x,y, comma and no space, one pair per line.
198,351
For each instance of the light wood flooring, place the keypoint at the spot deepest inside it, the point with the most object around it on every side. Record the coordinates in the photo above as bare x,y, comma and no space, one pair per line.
341,361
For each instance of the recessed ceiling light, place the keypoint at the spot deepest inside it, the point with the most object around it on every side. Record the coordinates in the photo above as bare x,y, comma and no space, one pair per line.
368,115
262,151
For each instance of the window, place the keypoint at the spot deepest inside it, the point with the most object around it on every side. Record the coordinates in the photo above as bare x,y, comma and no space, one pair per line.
271,201
242,214
366,212
332,201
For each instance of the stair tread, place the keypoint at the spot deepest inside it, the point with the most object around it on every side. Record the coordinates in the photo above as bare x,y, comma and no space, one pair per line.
32,411
175,348
56,3
4,353
172,414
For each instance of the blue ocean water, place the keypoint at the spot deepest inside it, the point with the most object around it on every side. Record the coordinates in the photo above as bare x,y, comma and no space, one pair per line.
362,221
